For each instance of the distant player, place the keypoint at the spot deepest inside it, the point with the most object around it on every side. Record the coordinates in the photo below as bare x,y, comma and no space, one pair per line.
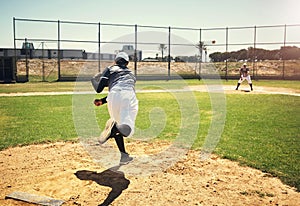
121,100
244,74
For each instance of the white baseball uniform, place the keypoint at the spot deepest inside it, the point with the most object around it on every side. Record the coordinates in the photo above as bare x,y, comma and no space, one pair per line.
121,99
245,75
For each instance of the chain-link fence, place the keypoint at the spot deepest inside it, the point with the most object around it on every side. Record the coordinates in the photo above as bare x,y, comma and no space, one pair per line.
50,50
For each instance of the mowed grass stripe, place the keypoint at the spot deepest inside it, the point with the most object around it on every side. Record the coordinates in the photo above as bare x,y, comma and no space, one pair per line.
175,84
35,119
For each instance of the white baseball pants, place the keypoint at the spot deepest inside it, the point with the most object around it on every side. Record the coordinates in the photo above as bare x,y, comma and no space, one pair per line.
123,106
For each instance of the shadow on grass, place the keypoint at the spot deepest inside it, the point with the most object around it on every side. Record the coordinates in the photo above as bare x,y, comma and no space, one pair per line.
110,178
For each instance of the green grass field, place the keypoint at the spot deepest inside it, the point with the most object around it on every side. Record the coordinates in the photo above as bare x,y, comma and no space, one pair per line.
261,130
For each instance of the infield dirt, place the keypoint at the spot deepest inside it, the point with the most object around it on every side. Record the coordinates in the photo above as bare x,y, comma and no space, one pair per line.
65,171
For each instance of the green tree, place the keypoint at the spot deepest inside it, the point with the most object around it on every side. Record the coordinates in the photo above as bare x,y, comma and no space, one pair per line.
201,47
162,48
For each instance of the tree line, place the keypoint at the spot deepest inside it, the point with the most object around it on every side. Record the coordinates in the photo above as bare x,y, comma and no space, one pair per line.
250,54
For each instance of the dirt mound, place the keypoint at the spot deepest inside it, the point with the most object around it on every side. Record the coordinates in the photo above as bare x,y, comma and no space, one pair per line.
65,171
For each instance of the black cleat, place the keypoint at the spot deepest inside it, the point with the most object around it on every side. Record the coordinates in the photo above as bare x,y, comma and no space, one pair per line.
125,159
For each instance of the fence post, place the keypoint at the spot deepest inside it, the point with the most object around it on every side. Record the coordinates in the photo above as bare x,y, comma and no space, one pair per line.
169,56
26,60
135,50
226,74
254,55
43,62
99,48
284,54
15,51
58,50
200,54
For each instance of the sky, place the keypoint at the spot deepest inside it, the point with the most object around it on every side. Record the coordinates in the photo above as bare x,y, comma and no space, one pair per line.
185,13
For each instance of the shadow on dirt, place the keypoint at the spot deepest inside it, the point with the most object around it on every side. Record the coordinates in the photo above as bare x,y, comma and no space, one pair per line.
110,178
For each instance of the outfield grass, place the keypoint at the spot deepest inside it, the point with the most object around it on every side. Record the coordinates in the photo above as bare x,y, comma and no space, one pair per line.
35,119
261,131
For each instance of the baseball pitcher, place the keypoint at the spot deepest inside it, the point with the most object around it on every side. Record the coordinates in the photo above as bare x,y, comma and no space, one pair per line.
121,100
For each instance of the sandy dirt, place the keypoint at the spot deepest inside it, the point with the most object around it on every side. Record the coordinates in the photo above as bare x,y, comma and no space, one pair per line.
245,88
66,171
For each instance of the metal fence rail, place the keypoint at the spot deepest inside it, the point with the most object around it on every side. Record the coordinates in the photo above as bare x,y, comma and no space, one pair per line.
197,35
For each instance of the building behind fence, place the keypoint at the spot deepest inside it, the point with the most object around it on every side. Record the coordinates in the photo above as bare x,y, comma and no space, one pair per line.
155,52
